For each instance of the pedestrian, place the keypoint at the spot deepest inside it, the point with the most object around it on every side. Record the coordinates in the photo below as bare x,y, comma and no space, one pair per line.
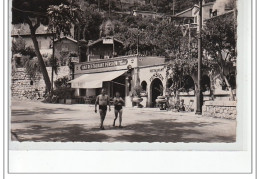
102,101
118,102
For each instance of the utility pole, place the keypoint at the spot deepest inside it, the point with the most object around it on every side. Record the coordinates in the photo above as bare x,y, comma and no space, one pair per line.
113,55
109,7
199,96
137,49
53,60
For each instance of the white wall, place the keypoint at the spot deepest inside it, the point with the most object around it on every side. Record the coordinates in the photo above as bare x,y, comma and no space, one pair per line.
145,74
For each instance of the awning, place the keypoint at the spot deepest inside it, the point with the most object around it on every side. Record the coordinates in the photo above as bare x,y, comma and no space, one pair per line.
95,80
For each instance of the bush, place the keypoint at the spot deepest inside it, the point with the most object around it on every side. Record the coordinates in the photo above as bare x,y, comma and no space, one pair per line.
63,89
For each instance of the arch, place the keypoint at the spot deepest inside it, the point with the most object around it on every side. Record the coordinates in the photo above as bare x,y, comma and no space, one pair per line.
31,82
205,83
144,85
188,83
232,80
156,89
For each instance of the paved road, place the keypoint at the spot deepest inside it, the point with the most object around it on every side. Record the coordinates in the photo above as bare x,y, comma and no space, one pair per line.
37,121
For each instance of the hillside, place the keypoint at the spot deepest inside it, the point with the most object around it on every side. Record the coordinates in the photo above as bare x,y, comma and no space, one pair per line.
161,6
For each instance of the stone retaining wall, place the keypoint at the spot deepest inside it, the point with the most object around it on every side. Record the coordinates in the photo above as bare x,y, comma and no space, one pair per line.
220,109
23,86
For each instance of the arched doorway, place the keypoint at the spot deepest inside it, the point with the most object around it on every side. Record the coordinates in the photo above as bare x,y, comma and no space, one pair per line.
188,83
156,90
144,85
205,83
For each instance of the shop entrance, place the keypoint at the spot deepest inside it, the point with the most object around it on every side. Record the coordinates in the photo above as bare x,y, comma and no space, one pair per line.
118,85
156,90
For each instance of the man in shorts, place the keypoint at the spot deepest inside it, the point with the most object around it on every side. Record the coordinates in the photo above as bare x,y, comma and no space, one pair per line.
102,100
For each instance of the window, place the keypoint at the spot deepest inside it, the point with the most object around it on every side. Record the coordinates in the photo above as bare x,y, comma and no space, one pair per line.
82,92
205,83
65,48
215,13
210,13
144,85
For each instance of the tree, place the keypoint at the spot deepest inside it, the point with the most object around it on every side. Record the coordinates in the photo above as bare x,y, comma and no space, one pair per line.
154,37
61,20
219,40
33,13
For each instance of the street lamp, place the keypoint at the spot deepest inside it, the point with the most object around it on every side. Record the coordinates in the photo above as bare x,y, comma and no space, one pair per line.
138,34
199,96
137,46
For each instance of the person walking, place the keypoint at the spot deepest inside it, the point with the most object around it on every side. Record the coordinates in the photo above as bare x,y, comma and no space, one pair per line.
102,101
118,102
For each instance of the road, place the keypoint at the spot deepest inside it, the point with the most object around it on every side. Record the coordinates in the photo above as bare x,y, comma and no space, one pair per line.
42,122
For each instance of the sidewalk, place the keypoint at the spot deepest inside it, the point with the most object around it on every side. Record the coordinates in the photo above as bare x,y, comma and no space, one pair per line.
36,121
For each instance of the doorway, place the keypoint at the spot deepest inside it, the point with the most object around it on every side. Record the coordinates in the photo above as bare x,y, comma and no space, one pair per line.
156,90
118,85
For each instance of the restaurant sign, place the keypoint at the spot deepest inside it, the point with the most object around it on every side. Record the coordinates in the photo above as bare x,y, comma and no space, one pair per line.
103,64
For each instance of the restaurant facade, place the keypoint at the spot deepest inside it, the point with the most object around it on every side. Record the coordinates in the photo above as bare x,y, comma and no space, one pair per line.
121,74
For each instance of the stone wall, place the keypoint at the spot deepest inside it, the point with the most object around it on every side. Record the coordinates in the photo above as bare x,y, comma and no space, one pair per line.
220,109
23,86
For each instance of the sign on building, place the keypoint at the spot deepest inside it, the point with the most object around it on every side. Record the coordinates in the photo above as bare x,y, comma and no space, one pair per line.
107,41
74,59
104,64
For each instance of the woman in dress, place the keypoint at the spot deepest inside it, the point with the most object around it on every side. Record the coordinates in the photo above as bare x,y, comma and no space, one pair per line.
118,102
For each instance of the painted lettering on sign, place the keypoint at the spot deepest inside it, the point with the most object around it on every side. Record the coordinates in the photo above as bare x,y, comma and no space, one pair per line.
156,75
156,70
104,64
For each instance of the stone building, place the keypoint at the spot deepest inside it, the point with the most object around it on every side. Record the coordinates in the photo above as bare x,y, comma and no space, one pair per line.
22,84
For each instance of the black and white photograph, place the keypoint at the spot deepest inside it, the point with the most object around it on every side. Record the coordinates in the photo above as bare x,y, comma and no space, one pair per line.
123,71
129,86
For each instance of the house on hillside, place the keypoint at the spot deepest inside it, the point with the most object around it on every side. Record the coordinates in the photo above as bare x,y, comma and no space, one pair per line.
43,37
66,46
209,10
104,48
147,14
25,86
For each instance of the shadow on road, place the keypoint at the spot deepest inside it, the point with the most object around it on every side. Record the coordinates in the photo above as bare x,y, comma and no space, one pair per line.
70,133
38,110
165,130
159,130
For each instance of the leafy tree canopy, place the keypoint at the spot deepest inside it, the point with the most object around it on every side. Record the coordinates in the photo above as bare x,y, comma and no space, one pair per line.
24,9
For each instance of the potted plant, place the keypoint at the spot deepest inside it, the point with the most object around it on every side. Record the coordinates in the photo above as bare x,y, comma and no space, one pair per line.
143,93
161,100
137,93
